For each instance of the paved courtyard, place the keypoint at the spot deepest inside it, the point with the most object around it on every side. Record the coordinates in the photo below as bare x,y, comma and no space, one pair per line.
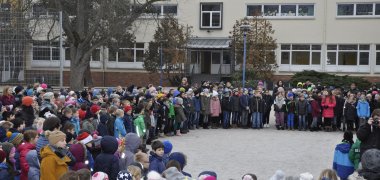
231,153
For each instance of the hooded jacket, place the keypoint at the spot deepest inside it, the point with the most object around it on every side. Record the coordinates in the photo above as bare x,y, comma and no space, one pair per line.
106,161
342,163
363,109
132,142
43,141
139,125
196,104
156,163
172,173
354,153
23,149
52,166
328,107
215,108
180,114
369,137
34,165
181,158
78,151
205,104
4,174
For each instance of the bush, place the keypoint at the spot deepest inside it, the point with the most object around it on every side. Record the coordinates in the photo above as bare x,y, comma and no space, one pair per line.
329,79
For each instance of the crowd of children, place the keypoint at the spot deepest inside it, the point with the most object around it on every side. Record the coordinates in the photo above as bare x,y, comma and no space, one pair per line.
103,133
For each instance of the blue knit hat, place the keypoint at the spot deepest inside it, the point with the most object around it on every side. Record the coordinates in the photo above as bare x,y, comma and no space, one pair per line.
168,146
16,138
290,94
29,92
180,157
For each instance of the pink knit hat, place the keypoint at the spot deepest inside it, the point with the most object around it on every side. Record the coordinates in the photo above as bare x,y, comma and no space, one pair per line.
44,86
99,176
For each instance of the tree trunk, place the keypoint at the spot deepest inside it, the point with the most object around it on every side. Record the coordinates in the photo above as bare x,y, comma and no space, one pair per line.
77,76
88,76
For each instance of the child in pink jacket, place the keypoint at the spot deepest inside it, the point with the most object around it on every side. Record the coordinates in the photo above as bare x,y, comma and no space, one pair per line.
215,110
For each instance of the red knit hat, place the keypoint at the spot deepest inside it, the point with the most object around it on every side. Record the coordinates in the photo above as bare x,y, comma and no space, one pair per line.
81,114
84,138
27,101
94,109
127,108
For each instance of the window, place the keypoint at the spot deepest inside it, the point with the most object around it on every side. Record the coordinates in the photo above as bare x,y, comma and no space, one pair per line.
301,54
281,10
131,54
39,10
211,16
226,57
350,55
160,9
46,51
377,54
358,9
215,58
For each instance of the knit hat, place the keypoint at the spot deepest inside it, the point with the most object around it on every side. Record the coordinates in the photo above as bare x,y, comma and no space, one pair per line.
27,101
168,146
127,108
18,89
371,160
55,136
179,100
16,138
7,147
48,95
29,92
290,94
99,176
124,175
208,173
94,109
84,138
3,155
260,83
44,86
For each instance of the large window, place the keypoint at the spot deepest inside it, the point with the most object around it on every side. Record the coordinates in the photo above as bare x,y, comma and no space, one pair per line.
39,10
378,54
350,55
211,15
300,54
358,9
45,51
130,54
95,55
282,10
164,9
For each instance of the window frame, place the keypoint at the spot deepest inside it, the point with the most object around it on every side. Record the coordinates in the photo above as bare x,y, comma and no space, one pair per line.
310,50
46,46
377,54
162,13
134,48
211,13
337,50
355,15
279,14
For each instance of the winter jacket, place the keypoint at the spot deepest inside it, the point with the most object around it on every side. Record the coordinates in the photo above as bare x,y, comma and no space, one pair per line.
235,103
4,174
338,109
106,161
281,108
328,107
41,142
181,158
34,165
350,113
196,104
180,114
257,105
291,106
205,104
52,166
354,153
244,101
132,142
363,109
78,151
64,119
87,125
7,100
188,104
76,122
369,137
139,125
215,107
111,124
23,149
342,164
156,163
301,107
226,104
27,113
119,130
316,109
102,129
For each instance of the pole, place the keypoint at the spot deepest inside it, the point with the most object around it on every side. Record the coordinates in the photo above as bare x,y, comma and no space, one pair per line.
61,60
161,63
244,58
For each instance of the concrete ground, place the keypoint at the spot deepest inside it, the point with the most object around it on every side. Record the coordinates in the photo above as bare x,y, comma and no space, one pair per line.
234,152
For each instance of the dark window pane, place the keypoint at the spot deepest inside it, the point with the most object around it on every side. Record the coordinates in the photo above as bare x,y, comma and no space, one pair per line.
39,10
364,47
316,47
67,54
377,47
305,10
139,55
126,55
156,9
347,58
300,58
316,58
301,47
377,9
111,55
206,20
378,58
364,9
194,57
139,45
215,58
288,10
170,9
364,58
254,10
55,54
95,56
41,53
285,56
211,7
348,47
331,58
285,47
215,19
345,9
226,57
331,47
270,10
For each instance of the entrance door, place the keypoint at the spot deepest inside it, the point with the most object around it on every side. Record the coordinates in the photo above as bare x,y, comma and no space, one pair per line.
206,62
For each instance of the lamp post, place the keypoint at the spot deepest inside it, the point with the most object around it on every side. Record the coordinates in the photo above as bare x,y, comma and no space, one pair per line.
161,63
245,28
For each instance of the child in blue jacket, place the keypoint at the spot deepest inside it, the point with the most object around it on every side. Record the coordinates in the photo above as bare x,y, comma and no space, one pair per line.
156,162
342,163
119,129
363,110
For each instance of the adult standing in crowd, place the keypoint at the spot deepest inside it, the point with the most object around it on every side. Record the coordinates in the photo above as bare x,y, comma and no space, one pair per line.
369,133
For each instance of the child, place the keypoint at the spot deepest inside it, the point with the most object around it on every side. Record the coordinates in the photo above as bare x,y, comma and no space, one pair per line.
155,159
350,113
54,159
182,159
215,110
328,104
106,161
279,109
79,152
86,139
268,98
69,130
30,139
363,110
4,174
257,106
205,105
75,120
168,146
354,153
34,165
291,109
226,108
301,109
128,119
235,108
67,114
197,109
119,129
244,105
139,122
102,127
316,110
179,115
342,164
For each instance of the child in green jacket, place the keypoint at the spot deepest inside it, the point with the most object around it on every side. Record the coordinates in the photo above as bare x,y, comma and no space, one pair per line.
140,124
354,153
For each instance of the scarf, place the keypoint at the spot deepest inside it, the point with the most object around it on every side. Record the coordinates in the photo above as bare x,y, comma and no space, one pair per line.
279,102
